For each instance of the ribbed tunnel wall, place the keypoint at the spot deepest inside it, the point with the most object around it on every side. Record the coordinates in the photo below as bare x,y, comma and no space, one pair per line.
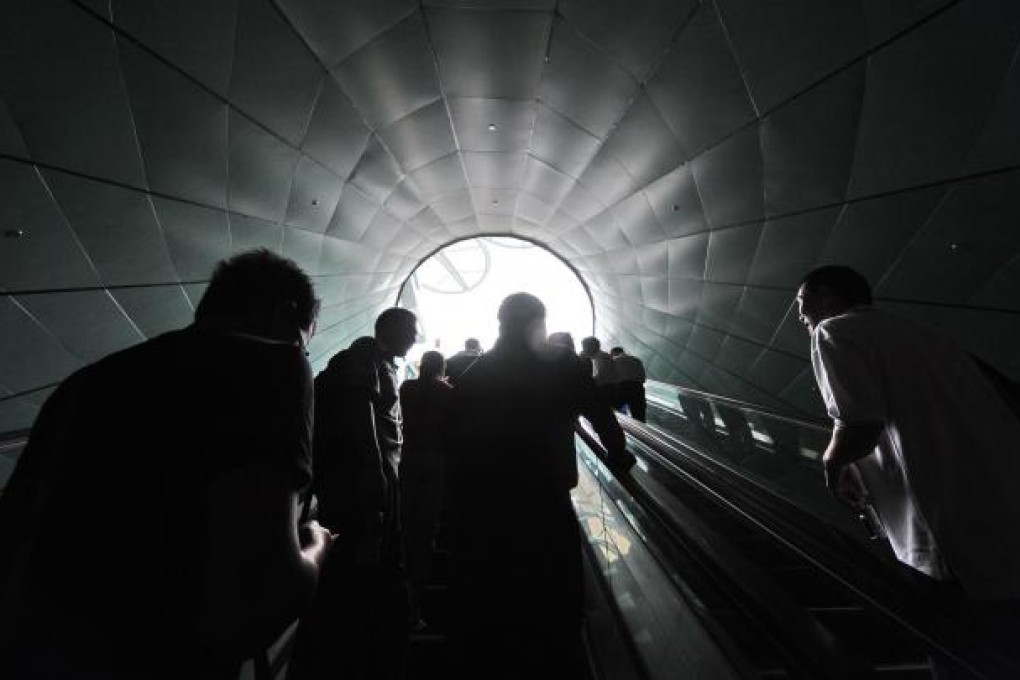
690,159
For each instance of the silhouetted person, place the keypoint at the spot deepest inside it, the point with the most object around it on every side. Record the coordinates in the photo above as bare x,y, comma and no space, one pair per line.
919,430
150,529
358,625
516,555
630,383
739,438
698,411
564,339
425,403
463,360
603,368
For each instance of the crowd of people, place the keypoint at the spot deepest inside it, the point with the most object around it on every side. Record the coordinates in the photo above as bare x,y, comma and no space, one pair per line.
180,503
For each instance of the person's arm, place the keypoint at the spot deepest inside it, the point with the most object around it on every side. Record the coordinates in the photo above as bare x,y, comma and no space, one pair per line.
371,489
257,574
852,388
599,413
849,443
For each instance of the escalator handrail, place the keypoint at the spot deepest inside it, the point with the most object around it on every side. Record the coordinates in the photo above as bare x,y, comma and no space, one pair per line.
833,552
799,419
807,645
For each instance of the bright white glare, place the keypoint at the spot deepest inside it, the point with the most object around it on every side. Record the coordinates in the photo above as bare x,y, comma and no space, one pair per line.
457,292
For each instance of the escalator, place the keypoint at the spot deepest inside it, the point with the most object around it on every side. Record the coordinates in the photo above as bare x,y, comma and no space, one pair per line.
781,575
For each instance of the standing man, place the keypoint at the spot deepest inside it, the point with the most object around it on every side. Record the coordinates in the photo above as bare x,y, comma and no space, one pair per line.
630,383
920,434
516,553
150,528
603,369
460,362
358,625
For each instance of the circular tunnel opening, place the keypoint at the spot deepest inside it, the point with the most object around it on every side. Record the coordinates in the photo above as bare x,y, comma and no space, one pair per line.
457,290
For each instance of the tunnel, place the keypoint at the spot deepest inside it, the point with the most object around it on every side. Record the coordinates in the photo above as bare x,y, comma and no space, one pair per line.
690,160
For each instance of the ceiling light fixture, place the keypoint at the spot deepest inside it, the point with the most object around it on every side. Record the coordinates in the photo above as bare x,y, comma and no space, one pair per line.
492,127
14,233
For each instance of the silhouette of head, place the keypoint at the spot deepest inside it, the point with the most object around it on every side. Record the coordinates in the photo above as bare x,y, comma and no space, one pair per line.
522,318
829,291
590,345
395,331
616,351
472,345
260,293
562,339
433,366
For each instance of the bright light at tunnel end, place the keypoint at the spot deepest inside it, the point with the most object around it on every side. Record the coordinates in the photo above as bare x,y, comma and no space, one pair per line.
457,291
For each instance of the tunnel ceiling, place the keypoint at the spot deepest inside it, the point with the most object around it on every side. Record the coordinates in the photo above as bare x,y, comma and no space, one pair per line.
690,159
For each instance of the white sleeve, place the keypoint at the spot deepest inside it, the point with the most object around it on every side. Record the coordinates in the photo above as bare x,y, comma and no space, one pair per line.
847,376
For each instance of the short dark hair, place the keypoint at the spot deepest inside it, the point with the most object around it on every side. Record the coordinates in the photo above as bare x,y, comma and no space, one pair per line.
255,284
616,350
472,343
845,283
591,343
561,339
433,365
519,309
393,319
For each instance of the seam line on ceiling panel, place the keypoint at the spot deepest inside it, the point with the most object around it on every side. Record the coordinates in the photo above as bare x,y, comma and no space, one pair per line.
535,104
998,97
169,284
959,179
67,223
736,59
373,133
401,19
635,340
130,104
446,107
120,31
641,90
375,300
350,301
709,327
169,197
710,364
23,393
53,336
792,291
343,338
863,57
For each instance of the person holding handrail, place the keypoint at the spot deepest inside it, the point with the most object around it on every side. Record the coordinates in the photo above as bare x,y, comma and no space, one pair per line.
515,581
922,437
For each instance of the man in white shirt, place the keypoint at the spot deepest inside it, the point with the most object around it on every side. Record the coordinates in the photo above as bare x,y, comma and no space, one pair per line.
630,383
921,432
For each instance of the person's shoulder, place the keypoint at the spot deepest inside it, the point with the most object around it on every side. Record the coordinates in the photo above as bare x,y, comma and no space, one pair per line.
132,361
354,366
